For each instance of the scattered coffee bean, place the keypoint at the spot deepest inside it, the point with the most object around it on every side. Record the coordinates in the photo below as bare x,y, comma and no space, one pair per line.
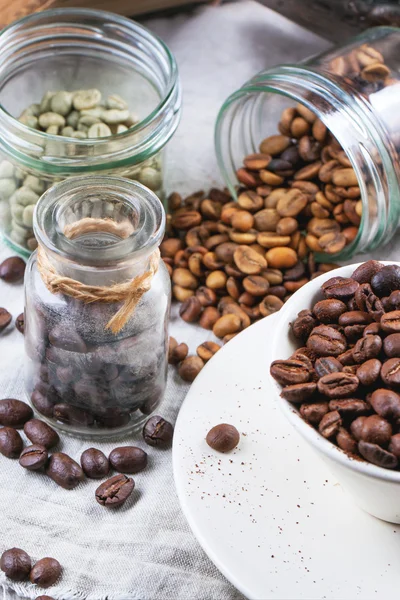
223,437
206,350
16,564
20,323
40,433
64,471
176,352
158,432
10,442
5,318
12,269
190,368
115,491
95,463
128,459
45,572
14,413
33,457
44,597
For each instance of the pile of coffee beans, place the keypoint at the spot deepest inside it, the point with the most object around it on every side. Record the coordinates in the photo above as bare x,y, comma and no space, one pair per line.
17,565
229,267
64,470
345,378
190,366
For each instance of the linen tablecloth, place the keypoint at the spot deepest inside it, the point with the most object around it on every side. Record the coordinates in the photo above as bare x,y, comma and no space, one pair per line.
145,550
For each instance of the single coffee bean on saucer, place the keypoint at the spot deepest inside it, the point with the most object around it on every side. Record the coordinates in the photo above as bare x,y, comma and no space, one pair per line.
158,432
45,572
115,491
223,437
14,413
64,471
10,442
16,564
41,433
12,269
128,459
95,463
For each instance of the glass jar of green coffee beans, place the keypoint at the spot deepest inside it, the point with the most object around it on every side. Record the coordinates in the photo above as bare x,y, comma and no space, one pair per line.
82,92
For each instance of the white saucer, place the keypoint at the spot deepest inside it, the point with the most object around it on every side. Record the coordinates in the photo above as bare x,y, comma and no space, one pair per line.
269,514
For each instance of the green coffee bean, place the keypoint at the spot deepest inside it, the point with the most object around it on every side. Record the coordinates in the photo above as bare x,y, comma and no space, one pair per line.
84,99
7,188
19,174
22,231
150,177
121,128
61,103
24,196
115,101
33,110
6,169
99,130
35,184
52,130
132,120
27,216
16,212
17,237
45,104
67,131
80,135
115,116
51,118
29,121
88,120
92,112
73,119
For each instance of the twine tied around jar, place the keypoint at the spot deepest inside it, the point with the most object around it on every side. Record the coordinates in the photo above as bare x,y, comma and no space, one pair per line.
129,292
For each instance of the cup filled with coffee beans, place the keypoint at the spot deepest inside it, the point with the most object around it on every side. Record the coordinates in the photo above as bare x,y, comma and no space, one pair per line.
336,369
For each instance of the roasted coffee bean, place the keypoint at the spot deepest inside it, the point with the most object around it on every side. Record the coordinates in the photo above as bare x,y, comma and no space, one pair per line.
341,288
394,446
206,296
229,323
366,348
353,333
16,564
248,261
299,392
67,339
206,350
12,269
33,457
346,442
314,411
372,329
128,459
95,463
390,322
5,318
72,415
365,272
390,371
327,364
256,285
64,471
330,424
355,317
10,442
304,355
209,317
289,372
42,404
45,572
303,324
115,491
366,300
369,371
20,323
386,403
329,311
391,345
14,413
376,430
178,353
270,305
190,309
40,433
377,455
223,437
394,300
158,432
338,385
386,280
350,407
281,258
326,341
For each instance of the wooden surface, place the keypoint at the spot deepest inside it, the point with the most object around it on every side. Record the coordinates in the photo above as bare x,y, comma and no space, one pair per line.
10,10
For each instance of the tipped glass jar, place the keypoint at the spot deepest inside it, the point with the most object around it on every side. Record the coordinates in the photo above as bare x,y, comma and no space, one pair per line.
336,112
69,50
82,375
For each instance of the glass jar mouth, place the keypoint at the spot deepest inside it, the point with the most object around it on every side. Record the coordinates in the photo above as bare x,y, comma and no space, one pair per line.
130,41
350,120
101,221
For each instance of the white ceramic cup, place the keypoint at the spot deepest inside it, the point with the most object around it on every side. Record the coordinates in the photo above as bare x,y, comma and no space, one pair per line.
374,489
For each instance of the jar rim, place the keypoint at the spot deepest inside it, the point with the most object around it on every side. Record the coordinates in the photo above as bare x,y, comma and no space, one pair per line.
57,201
128,152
